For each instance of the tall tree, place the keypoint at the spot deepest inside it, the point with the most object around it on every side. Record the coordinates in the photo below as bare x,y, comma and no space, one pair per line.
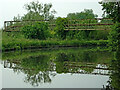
38,10
112,9
86,14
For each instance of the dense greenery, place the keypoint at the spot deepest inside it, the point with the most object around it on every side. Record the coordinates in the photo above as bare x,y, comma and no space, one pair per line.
114,37
112,9
36,31
37,11
60,26
86,14
114,80
17,41
40,34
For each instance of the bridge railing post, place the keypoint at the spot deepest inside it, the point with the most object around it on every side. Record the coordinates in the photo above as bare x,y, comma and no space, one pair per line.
5,26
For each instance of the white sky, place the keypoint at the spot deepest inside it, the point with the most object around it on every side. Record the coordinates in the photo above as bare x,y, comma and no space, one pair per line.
11,8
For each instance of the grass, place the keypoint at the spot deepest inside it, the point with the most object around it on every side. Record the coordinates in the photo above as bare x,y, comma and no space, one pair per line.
16,41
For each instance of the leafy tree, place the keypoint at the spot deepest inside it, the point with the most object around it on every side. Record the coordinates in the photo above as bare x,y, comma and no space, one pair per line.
86,14
32,16
17,18
112,9
38,10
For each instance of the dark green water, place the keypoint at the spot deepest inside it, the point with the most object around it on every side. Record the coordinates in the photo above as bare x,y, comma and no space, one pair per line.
56,68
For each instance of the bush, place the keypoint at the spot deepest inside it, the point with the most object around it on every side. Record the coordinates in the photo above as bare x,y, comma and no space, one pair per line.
60,26
36,31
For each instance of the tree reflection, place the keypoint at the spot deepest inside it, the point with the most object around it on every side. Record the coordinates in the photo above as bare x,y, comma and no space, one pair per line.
75,62
38,68
36,79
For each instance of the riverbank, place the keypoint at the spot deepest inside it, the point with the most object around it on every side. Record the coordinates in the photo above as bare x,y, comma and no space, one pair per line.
18,42
34,44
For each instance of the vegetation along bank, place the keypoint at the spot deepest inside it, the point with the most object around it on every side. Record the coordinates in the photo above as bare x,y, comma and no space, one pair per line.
40,34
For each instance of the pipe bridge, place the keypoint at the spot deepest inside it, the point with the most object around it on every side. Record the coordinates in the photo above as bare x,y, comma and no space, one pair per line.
79,24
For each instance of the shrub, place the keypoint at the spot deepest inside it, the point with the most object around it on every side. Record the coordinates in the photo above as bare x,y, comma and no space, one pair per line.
60,26
39,30
102,34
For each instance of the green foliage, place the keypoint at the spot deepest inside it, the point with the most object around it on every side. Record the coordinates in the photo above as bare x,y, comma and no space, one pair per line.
35,11
114,37
71,35
17,41
99,35
32,16
36,31
86,14
112,9
38,11
60,26
114,80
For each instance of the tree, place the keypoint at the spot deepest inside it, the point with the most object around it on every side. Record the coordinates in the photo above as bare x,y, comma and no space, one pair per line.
86,14
114,37
112,9
60,26
38,10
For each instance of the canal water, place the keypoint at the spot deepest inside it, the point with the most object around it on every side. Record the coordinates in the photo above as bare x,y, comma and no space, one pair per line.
56,68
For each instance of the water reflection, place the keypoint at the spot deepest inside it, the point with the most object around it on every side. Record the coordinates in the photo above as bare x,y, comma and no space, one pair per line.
40,66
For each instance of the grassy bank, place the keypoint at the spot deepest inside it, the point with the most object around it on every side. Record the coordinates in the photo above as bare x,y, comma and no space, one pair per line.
12,41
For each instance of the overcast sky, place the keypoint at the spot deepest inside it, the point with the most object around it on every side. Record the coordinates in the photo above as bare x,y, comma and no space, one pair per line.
11,8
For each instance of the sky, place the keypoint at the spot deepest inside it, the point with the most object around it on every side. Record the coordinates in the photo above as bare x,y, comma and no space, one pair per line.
11,8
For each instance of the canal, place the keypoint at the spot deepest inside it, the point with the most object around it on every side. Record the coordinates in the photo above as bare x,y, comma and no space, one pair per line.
56,68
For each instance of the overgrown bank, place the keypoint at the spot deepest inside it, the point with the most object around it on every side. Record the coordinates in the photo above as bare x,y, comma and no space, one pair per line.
41,35
38,35
18,42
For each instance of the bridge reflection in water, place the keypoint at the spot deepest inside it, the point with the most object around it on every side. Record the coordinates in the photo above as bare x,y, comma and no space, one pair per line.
39,66
68,67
